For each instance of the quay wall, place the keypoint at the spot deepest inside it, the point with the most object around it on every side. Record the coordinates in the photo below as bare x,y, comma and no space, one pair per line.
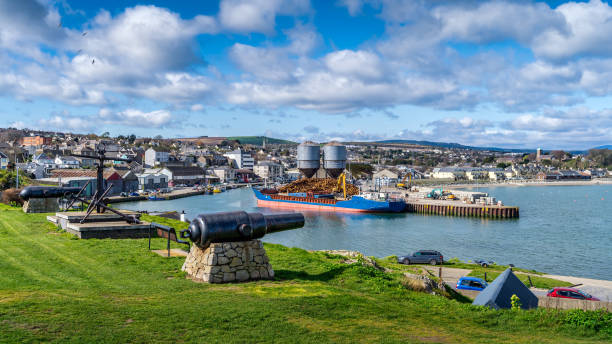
466,210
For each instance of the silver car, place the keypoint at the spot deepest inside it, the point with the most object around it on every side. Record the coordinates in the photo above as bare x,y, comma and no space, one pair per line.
422,257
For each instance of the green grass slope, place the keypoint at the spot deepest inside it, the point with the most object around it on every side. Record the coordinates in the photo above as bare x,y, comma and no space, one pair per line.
258,140
55,288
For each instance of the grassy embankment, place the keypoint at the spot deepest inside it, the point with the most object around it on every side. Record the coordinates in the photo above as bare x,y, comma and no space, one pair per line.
523,274
54,287
258,140
478,271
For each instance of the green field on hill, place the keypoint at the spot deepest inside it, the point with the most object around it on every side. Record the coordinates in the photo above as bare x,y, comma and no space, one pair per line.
56,288
258,140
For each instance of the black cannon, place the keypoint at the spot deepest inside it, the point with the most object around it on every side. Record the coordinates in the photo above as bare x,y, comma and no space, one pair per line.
238,226
47,192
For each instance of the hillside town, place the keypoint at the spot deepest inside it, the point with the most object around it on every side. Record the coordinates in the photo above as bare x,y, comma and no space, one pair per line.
157,163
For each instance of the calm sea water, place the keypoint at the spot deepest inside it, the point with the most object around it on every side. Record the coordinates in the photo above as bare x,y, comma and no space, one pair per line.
562,229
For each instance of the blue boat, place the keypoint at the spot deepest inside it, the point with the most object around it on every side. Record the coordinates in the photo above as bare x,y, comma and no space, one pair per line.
355,204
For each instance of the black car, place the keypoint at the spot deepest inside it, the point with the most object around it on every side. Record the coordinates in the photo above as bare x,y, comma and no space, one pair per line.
422,257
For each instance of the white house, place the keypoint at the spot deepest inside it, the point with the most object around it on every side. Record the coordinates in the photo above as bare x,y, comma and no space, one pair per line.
44,160
156,156
476,173
66,162
448,173
152,181
243,161
497,174
225,173
4,160
268,170
188,175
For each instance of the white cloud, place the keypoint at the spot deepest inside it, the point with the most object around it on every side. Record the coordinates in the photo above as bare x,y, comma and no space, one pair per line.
136,43
197,107
495,21
18,125
362,64
353,7
129,117
247,16
143,51
67,123
263,63
138,118
588,34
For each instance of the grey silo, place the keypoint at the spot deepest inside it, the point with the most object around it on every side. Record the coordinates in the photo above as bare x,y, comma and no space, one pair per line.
308,158
334,155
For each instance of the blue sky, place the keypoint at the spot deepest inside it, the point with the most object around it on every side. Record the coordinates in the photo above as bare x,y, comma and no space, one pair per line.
496,73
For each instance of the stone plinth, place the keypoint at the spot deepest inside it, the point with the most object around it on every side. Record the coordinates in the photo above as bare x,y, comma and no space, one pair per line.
41,205
229,262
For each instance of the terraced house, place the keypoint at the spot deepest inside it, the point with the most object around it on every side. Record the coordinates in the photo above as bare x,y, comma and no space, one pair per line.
4,160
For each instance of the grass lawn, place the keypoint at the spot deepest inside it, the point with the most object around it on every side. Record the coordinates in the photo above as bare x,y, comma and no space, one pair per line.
56,288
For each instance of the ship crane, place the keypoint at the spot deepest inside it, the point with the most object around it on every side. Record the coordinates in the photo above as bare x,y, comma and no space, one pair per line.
402,184
341,184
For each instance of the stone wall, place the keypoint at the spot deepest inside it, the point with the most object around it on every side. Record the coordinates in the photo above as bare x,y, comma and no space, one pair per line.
229,262
562,303
41,205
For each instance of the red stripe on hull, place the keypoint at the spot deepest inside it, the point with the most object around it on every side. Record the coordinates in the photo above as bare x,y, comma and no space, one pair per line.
274,204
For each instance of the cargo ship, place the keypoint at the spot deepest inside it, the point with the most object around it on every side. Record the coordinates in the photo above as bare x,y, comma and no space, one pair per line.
334,164
308,201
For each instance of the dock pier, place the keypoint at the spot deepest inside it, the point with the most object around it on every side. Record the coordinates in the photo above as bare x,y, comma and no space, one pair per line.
456,208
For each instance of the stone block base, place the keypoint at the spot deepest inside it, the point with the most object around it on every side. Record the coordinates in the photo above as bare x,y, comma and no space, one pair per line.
229,262
41,205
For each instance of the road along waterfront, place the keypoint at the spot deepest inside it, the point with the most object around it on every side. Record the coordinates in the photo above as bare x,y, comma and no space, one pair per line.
563,230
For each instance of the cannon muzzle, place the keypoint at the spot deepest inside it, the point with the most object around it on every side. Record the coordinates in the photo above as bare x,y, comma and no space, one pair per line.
47,192
238,226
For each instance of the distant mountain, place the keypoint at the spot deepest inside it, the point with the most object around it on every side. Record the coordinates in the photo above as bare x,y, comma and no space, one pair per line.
458,146
604,147
258,140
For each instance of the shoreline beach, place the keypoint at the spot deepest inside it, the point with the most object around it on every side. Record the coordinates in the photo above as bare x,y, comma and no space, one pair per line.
604,181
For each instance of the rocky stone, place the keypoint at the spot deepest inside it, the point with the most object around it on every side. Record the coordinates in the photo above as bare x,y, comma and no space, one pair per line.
228,262
254,274
229,277
242,275
41,205
236,262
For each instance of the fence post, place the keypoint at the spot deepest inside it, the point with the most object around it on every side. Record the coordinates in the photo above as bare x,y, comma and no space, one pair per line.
530,283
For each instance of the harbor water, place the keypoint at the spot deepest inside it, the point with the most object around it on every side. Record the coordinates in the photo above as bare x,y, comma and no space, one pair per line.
564,230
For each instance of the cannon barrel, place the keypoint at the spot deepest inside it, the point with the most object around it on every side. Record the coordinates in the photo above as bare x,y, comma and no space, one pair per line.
238,226
47,192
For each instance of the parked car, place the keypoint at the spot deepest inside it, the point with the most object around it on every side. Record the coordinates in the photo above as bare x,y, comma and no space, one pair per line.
422,257
471,283
123,194
134,193
570,293
483,263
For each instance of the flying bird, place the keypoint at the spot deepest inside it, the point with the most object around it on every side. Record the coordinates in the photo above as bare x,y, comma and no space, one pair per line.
60,24
84,33
93,61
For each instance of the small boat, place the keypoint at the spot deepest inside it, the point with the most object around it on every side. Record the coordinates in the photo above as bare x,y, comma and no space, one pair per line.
156,198
216,190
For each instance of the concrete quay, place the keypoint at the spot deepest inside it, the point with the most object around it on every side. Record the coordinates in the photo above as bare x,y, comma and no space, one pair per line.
457,208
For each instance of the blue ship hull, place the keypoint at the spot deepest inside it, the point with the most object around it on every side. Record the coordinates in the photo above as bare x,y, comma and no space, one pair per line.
355,204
